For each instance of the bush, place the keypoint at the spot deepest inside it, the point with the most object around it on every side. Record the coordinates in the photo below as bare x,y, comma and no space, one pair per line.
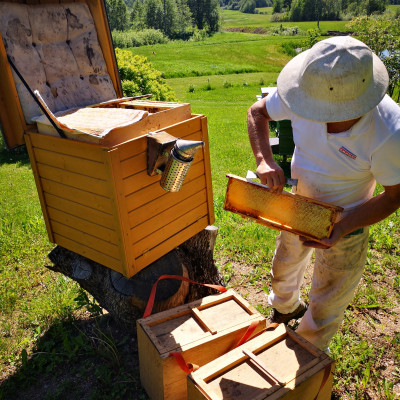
139,77
126,39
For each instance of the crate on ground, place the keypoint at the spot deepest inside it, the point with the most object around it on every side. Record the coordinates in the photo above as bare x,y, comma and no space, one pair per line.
275,365
200,331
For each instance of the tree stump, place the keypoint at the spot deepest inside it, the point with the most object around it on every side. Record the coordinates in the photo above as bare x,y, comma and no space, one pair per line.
125,299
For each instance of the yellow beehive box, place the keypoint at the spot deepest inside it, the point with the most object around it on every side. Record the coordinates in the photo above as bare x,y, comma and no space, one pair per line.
284,211
275,365
200,331
97,197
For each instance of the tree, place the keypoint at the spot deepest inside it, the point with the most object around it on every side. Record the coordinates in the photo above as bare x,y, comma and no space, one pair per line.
205,13
277,6
247,6
117,14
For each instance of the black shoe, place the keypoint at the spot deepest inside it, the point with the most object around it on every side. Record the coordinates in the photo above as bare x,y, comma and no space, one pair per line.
280,318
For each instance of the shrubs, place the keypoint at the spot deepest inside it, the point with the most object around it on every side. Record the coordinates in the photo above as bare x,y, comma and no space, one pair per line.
138,76
133,38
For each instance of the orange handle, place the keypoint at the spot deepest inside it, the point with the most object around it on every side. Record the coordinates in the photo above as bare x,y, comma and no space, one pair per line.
186,367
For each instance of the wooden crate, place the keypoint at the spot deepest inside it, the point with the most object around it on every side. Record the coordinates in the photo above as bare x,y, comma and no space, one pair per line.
201,331
275,365
285,211
97,198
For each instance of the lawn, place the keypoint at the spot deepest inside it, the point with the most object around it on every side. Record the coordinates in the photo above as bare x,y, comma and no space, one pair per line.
54,344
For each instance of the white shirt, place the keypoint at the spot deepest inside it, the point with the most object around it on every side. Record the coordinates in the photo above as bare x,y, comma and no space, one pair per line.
343,168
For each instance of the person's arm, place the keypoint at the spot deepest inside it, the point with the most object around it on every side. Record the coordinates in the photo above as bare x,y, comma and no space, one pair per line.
374,210
269,172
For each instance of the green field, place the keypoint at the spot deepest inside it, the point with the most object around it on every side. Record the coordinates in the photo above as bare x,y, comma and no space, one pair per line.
54,345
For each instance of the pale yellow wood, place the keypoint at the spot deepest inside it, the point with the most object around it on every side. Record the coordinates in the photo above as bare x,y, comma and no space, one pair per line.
80,211
96,186
79,196
179,330
203,321
144,244
171,214
39,187
164,202
233,370
150,366
187,127
85,239
96,230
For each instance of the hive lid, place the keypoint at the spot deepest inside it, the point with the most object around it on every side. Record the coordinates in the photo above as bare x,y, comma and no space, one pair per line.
76,37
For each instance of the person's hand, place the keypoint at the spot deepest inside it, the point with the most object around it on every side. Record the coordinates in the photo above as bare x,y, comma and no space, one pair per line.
272,175
327,243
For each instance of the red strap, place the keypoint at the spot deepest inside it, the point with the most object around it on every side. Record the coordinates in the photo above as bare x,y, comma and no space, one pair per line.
186,367
152,296
247,334
324,379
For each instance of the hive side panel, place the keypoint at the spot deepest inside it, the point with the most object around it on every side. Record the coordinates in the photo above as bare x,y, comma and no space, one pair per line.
77,197
160,220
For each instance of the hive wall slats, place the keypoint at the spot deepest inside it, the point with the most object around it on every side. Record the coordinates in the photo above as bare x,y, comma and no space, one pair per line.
84,225
159,236
153,191
94,169
163,248
162,203
82,237
70,147
167,217
92,254
78,210
79,196
78,181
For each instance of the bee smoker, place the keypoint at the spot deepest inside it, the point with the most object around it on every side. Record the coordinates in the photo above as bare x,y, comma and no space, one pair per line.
178,164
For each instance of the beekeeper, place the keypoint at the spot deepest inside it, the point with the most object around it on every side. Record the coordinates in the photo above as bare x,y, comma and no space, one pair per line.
347,136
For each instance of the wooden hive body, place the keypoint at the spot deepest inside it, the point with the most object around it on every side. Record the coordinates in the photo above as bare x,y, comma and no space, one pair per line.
96,196
285,211
275,365
201,331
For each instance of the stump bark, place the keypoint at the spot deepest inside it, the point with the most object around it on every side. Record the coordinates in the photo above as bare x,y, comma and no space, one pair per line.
125,299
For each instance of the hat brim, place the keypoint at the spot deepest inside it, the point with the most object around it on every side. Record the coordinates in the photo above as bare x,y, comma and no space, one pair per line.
323,111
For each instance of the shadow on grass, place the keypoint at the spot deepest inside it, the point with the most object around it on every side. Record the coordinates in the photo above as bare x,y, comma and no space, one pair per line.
79,359
17,155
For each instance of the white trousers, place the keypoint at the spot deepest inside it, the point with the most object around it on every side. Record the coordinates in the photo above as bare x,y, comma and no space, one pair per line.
337,272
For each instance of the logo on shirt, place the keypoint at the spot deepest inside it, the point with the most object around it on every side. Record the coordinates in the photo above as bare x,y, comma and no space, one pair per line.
348,153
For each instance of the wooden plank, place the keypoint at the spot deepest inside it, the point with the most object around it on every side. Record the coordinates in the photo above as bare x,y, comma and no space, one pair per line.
98,11
93,169
79,196
85,251
88,151
147,193
85,239
92,185
207,162
39,187
139,145
11,115
203,321
164,202
121,213
80,211
83,225
143,260
144,244
156,221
